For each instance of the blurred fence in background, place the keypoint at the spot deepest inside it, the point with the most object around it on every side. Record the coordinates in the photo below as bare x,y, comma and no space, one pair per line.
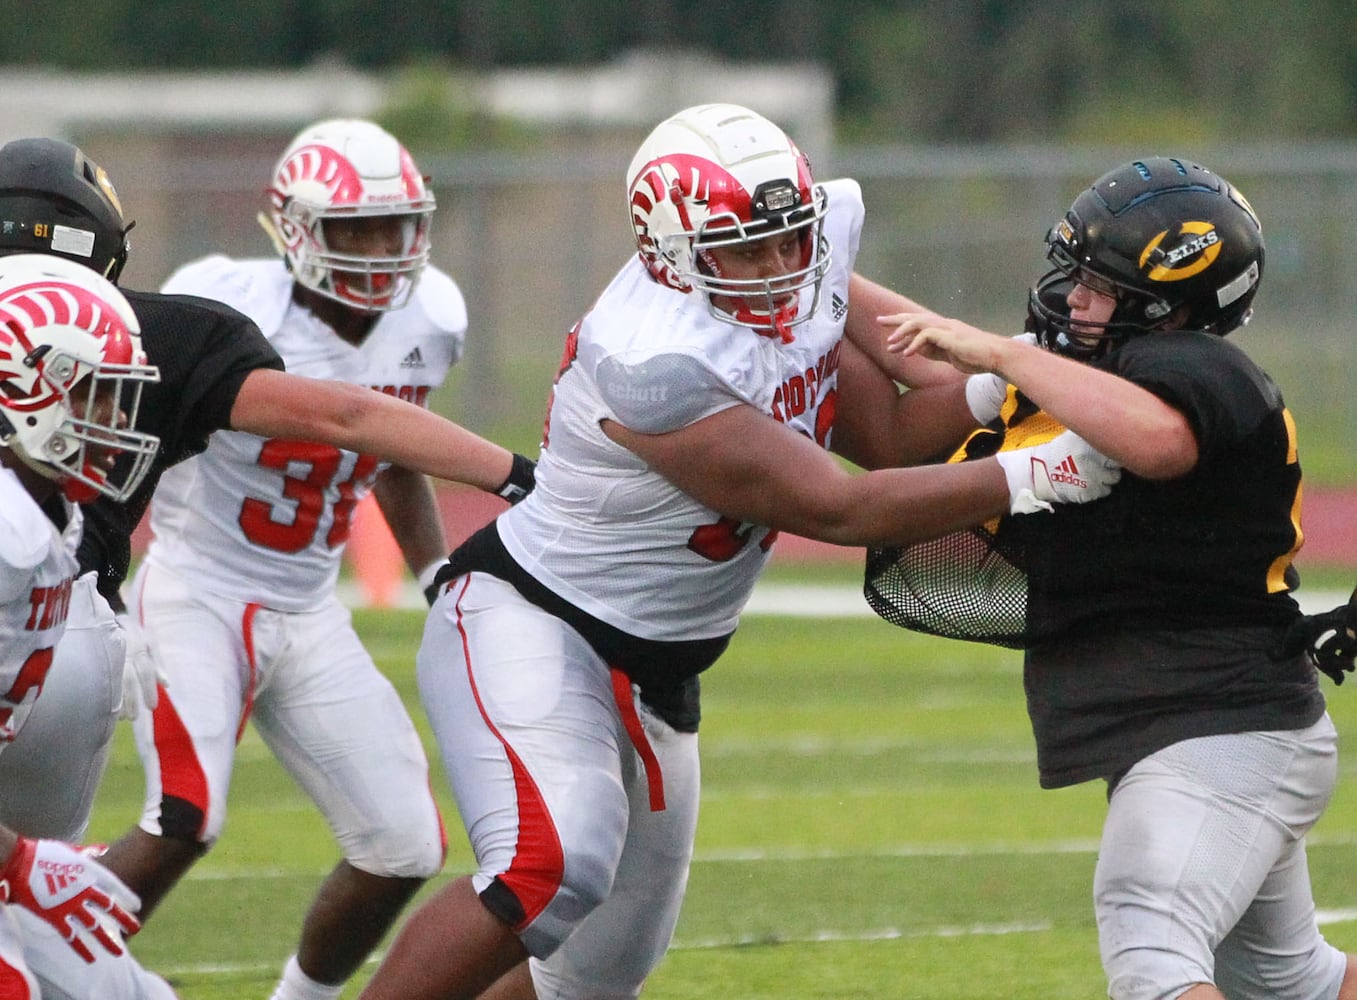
533,237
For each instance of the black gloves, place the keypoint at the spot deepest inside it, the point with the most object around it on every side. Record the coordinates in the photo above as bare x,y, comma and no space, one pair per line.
1328,639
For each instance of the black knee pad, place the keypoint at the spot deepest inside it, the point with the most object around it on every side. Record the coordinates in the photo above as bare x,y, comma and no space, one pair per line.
180,820
500,900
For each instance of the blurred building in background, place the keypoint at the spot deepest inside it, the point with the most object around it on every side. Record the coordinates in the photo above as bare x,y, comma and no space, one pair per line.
532,231
530,235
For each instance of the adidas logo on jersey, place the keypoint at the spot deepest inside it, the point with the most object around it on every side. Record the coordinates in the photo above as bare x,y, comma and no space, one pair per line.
837,306
1068,473
414,359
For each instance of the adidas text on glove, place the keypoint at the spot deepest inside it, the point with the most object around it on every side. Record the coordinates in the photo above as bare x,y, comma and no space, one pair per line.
72,892
1066,469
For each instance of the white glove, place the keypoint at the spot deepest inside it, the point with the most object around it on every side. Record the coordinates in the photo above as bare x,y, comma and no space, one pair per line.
141,671
1065,469
74,893
986,392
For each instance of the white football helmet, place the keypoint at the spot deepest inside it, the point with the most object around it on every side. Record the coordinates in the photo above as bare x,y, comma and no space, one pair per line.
71,375
715,175
345,169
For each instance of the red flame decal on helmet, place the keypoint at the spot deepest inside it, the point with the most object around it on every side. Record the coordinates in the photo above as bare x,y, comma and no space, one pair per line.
323,165
412,181
30,307
684,180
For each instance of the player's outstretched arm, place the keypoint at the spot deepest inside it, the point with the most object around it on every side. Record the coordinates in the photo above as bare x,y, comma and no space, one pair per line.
73,893
747,466
1123,420
276,404
868,300
877,426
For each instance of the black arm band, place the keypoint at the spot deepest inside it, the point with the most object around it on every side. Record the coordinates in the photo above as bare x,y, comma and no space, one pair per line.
522,478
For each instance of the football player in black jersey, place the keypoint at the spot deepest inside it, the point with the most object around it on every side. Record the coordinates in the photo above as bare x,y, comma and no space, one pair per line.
1154,617
216,371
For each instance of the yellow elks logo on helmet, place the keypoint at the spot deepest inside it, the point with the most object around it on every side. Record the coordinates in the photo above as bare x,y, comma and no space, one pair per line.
106,186
1200,240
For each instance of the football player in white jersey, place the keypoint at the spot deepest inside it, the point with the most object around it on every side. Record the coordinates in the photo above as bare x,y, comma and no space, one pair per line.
70,361
236,596
690,422
217,371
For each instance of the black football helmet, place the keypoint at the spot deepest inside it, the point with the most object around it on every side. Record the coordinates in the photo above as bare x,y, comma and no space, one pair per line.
1176,245
54,199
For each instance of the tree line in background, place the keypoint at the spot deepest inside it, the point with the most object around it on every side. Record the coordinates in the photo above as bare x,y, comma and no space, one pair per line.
949,71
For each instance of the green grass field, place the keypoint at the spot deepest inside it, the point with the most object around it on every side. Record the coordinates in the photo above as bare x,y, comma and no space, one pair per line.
871,827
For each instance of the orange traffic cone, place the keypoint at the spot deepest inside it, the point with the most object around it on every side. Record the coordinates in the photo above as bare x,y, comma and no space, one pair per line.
374,555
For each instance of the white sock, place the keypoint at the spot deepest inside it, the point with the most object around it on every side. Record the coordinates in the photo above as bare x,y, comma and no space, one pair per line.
297,985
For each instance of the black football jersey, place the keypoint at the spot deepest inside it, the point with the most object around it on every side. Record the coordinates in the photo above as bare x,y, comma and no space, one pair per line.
1153,611
204,350
1213,547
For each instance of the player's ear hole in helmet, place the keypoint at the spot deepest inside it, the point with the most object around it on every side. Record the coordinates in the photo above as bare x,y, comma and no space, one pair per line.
1175,244
720,176
56,200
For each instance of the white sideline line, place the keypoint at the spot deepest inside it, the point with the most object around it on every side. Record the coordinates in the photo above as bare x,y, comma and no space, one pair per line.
846,600
1335,916
809,600
977,850
896,934
1323,917
787,599
755,855
705,944
881,934
920,751
745,855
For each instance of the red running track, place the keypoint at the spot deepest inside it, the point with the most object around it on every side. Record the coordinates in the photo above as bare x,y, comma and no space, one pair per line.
1329,519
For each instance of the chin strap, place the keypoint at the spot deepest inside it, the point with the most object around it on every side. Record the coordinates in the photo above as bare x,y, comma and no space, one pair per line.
77,491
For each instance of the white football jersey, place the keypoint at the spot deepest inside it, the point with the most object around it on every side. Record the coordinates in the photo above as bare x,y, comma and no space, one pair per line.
265,520
37,568
620,541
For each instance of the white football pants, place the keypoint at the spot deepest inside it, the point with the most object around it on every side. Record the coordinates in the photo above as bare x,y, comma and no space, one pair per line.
1201,876
50,773
574,795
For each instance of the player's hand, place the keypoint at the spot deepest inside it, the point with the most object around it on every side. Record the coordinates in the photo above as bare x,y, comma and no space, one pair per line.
74,893
142,674
1066,469
986,391
1329,640
942,338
